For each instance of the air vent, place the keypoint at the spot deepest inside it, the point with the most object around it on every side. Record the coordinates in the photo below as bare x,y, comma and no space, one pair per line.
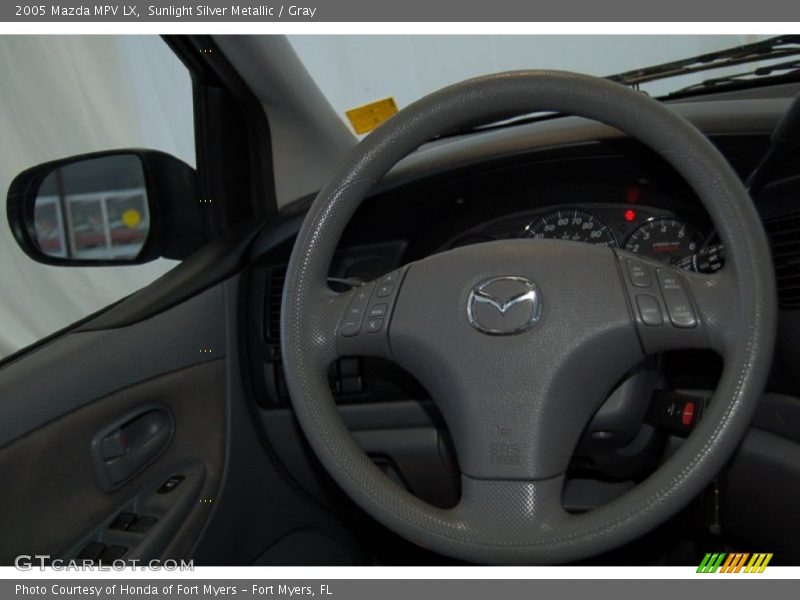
272,304
784,233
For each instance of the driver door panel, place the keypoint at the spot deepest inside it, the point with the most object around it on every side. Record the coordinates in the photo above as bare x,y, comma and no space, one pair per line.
162,382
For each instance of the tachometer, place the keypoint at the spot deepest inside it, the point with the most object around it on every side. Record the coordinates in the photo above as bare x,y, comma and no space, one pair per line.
665,239
572,224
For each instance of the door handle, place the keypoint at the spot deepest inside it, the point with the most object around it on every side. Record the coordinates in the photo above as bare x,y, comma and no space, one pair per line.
128,445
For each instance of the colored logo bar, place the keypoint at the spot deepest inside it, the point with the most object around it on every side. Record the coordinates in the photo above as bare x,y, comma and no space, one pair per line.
736,562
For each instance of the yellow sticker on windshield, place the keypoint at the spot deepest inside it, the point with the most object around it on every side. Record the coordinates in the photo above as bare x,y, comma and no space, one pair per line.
366,118
131,218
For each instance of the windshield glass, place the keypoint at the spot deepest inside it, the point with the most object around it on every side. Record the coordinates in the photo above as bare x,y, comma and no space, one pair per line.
356,70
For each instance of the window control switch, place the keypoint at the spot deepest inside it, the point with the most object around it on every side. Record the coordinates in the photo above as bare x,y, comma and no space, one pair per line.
92,551
170,484
113,553
123,521
142,524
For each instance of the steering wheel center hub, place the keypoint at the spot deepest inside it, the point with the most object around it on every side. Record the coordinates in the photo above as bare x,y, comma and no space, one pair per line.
504,305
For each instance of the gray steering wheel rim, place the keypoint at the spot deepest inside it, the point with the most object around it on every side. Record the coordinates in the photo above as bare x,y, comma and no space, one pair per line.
307,335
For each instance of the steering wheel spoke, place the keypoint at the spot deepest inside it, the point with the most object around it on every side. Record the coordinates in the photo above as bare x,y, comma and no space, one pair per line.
526,429
361,316
675,309
518,511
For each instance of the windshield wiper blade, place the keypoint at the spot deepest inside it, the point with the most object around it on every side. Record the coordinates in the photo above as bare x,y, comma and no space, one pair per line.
772,48
785,71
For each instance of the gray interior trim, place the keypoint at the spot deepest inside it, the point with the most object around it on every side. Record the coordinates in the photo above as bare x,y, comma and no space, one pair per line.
257,494
760,494
78,368
297,112
210,265
750,116
51,496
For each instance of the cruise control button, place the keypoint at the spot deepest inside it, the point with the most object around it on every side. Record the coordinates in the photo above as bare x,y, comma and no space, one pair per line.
385,290
390,278
679,308
379,310
354,316
639,273
374,325
649,310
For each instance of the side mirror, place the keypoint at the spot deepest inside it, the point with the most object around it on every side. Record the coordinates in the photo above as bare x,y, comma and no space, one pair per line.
108,208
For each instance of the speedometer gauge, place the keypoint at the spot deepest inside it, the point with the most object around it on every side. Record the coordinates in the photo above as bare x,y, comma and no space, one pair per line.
572,224
665,239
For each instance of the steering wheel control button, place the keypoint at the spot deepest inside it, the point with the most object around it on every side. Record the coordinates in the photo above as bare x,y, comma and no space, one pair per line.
374,325
391,278
378,310
639,273
679,308
649,310
364,329
355,311
504,305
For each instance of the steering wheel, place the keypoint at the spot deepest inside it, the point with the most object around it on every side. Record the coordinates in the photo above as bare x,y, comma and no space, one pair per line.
519,342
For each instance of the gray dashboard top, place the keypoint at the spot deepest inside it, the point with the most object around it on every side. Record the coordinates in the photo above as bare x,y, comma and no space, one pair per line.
729,117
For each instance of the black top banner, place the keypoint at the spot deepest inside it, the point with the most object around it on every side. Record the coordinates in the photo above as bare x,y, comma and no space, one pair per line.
402,10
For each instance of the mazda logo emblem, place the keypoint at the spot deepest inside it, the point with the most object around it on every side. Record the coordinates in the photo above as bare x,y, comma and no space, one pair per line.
504,305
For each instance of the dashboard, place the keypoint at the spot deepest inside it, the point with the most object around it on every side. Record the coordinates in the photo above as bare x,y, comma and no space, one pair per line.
612,193
587,186
616,196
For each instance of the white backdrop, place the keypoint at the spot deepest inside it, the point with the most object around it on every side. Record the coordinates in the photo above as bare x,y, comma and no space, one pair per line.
65,95
355,70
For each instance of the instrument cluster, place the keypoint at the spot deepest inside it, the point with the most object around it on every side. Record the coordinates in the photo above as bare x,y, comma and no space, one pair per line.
652,232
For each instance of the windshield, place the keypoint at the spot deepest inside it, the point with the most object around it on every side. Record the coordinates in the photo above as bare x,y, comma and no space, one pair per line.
356,70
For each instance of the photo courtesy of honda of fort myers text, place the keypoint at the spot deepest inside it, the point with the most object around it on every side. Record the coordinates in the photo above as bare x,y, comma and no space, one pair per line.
354,300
